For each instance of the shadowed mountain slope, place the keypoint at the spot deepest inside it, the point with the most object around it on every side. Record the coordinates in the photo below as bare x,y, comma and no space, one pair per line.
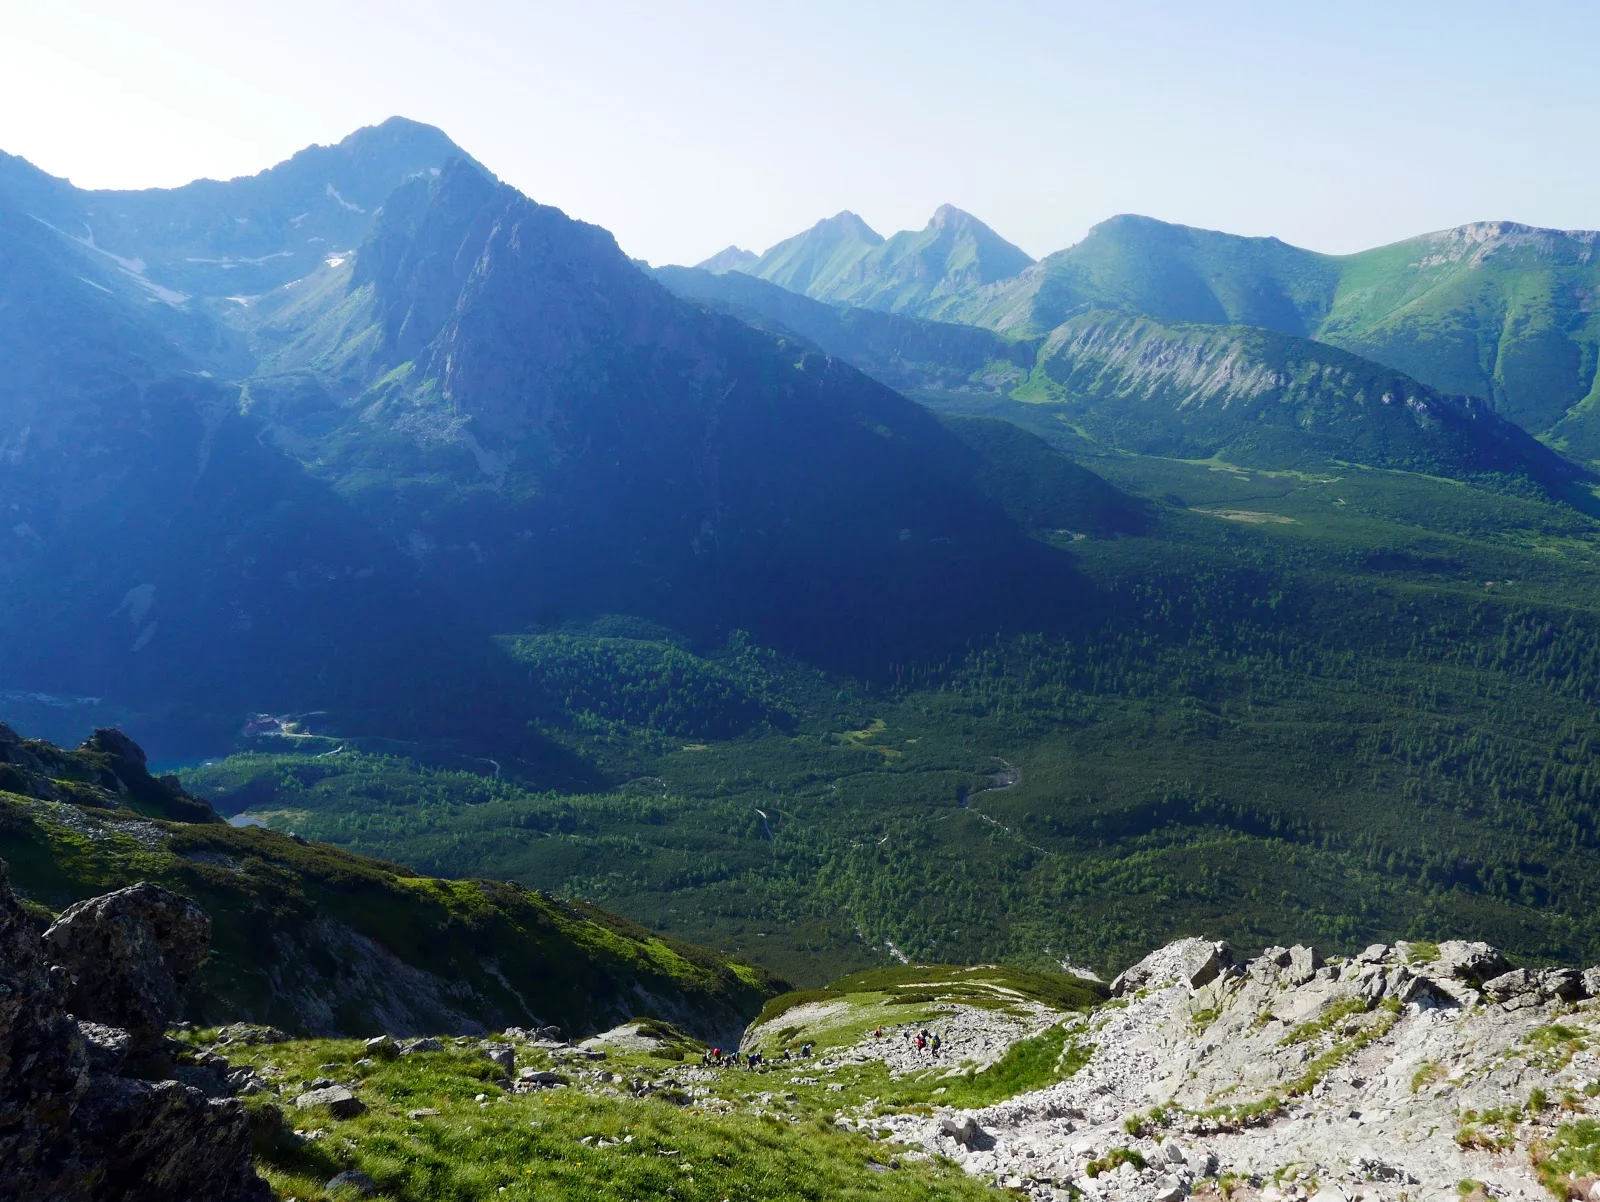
335,493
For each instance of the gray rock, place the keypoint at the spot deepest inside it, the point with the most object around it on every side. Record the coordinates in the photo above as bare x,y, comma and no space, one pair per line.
422,1045
1303,964
544,1077
130,953
352,1181
1205,963
338,1100
502,1054
162,1140
1468,961
1169,1189
249,1035
108,1047
1565,984
1172,1153
424,1112
1517,983
965,1130
381,1048
551,1033
1591,982
73,1131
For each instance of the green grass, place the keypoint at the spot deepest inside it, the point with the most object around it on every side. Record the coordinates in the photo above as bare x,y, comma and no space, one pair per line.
533,1146
1325,1022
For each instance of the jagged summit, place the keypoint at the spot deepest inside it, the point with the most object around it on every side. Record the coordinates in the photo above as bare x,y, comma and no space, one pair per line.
842,260
729,258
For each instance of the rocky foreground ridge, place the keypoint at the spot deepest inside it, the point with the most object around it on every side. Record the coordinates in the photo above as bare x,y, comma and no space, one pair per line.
1413,1071
94,1103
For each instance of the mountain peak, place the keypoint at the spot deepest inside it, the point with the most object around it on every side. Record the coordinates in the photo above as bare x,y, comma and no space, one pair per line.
729,258
950,215
846,223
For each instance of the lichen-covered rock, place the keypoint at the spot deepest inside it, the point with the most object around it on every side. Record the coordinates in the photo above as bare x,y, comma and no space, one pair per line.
155,1141
44,1066
130,953
71,1129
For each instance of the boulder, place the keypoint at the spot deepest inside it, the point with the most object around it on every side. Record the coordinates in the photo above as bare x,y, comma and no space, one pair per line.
1468,961
338,1100
1169,1189
1303,964
71,1129
130,954
1269,964
1203,964
108,1047
1523,987
1563,984
422,1045
351,1183
1196,962
1515,989
502,1054
249,1035
154,1141
381,1048
965,1130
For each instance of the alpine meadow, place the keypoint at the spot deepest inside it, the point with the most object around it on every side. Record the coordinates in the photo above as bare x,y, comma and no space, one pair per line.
485,716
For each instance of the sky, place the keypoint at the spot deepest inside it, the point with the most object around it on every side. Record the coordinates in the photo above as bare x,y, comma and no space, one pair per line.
685,126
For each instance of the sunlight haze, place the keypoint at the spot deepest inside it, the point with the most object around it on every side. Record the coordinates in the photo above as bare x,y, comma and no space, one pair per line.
688,127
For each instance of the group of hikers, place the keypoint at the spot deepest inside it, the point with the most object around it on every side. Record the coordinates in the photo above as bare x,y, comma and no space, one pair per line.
717,1058
923,1040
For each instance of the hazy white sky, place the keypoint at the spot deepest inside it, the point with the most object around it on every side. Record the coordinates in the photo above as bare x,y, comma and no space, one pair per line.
685,126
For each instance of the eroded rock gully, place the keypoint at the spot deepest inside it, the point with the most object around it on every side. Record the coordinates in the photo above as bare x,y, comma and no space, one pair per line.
1409,1071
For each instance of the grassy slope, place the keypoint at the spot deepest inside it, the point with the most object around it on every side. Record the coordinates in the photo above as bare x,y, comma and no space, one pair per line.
509,954
1319,706
737,1139
767,1134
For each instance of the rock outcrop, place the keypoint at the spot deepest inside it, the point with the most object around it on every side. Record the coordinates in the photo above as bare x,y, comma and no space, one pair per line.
1403,1071
130,954
72,1127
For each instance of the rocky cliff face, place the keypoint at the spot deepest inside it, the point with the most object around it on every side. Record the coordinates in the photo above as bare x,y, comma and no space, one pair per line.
91,1106
1401,1072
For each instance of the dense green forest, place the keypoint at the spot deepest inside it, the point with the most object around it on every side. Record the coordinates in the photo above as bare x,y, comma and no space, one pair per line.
1333,707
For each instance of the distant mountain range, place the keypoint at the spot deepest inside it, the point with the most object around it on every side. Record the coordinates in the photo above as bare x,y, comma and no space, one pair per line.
1185,389
843,260
1495,310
